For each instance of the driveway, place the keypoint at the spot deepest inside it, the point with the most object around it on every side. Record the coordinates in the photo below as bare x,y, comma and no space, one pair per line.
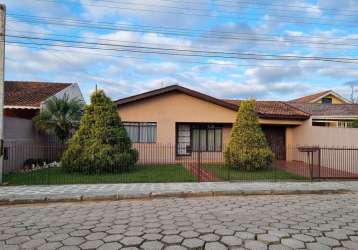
252,222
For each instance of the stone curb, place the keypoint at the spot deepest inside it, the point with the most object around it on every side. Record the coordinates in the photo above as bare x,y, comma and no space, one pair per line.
158,195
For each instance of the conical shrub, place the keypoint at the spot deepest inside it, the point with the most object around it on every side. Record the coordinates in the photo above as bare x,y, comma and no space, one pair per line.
248,148
101,144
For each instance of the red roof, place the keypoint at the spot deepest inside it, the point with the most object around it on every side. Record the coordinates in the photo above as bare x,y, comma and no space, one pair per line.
265,109
276,109
30,94
310,98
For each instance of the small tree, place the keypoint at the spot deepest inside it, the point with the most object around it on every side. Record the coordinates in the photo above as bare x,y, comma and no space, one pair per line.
101,143
59,116
248,148
355,123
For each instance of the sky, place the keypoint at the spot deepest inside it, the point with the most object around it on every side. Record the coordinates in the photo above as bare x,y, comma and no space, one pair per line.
124,37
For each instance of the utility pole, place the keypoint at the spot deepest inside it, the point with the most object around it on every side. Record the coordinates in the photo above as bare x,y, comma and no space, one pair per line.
2,69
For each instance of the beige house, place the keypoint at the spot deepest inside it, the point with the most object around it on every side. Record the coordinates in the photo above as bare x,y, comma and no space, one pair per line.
185,118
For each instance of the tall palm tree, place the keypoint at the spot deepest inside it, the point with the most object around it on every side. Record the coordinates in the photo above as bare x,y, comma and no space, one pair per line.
59,116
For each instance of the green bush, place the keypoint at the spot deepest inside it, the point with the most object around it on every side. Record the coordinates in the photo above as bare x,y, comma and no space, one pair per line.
248,148
101,144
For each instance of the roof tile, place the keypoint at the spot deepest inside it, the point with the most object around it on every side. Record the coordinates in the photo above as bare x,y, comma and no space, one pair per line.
22,93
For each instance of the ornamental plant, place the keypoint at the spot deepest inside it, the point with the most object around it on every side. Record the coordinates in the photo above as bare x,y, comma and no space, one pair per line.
248,148
101,144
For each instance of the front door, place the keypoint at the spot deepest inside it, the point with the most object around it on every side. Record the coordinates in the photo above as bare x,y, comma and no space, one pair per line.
183,140
276,137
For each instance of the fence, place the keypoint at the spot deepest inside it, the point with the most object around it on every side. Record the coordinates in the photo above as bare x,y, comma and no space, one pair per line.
33,164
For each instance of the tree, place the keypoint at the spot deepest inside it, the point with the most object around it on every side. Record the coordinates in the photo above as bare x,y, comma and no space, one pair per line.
248,148
355,123
101,144
59,116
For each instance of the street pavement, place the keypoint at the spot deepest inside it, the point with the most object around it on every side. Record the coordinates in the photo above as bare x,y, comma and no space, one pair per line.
307,221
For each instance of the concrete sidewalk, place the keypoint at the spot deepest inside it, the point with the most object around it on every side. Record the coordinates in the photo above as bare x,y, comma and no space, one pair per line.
60,193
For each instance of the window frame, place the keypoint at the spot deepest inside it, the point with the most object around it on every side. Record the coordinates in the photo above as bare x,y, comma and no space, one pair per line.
327,98
206,127
142,125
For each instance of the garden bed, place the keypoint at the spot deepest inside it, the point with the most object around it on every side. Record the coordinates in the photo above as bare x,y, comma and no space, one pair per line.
138,174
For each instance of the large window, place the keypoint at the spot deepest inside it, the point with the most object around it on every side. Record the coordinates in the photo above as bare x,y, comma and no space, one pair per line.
141,132
207,137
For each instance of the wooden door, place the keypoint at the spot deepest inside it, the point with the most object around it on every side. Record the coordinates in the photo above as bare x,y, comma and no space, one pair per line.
276,137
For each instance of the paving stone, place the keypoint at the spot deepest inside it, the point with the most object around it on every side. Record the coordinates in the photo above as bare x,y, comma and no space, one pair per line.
255,245
193,243
350,244
209,237
279,247
245,235
131,241
293,243
328,241
224,232
92,244
58,237
172,239
110,246
303,237
113,238
189,234
175,247
231,241
268,238
50,246
96,236
215,246
69,248
317,246
31,244
73,241
337,235
17,240
152,245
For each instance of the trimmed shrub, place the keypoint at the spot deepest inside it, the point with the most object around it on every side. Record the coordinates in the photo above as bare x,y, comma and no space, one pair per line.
101,144
248,148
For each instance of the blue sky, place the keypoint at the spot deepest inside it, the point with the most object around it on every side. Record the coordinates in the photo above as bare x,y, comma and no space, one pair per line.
325,28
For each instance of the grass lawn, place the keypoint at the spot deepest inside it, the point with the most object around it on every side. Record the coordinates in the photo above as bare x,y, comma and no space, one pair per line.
267,174
139,173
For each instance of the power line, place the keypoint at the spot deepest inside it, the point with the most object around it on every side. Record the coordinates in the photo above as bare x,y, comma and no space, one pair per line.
179,61
193,53
277,40
147,28
212,15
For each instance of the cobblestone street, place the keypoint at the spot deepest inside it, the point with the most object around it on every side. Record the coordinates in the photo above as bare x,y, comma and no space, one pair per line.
241,222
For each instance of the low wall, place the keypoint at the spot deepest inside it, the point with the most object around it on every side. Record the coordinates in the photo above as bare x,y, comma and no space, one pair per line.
339,146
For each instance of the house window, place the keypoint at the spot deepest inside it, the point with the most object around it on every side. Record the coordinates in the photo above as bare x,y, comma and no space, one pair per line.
327,100
207,138
141,132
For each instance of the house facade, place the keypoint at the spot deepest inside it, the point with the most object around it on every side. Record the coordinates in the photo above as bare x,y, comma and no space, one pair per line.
187,120
23,100
328,109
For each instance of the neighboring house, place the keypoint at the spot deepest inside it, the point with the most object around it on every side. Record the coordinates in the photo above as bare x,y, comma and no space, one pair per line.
23,100
186,118
328,109
325,97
